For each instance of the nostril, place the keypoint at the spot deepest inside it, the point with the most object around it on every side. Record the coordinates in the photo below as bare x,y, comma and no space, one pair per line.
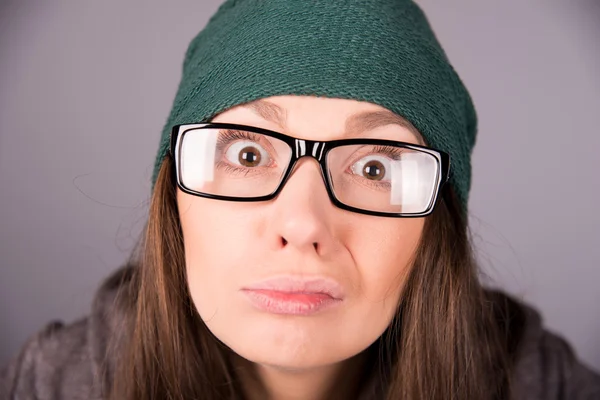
284,242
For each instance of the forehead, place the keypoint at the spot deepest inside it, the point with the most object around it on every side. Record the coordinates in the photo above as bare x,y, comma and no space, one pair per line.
322,118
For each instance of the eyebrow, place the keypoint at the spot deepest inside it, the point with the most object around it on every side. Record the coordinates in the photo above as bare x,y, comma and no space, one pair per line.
269,111
355,124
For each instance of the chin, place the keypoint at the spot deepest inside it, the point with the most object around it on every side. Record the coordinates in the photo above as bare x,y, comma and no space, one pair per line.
288,359
289,344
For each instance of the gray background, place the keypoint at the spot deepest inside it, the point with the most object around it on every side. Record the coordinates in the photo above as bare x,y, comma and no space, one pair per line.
85,88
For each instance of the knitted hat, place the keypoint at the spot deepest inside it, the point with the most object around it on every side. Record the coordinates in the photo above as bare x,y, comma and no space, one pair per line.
379,51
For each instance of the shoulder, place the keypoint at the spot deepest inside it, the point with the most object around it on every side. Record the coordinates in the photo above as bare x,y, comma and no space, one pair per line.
67,361
545,365
52,363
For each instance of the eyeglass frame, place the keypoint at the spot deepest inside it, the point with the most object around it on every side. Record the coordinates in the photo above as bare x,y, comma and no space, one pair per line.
299,149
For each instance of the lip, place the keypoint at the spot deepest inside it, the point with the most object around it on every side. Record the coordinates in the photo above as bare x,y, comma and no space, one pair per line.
294,295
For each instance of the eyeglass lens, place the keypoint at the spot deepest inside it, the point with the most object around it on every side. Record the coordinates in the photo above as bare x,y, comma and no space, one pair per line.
244,164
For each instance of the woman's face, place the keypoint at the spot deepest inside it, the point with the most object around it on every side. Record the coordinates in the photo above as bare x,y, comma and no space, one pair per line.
233,248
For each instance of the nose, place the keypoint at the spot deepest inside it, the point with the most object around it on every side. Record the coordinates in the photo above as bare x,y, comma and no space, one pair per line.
302,211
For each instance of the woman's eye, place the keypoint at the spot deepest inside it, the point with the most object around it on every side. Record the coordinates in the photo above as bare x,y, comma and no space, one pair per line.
374,168
247,154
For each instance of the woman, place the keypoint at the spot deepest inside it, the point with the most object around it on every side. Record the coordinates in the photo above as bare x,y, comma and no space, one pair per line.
307,233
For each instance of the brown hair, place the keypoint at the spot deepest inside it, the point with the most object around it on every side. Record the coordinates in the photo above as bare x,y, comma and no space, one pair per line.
444,342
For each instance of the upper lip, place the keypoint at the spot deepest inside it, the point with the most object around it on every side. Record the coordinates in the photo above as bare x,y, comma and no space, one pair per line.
296,284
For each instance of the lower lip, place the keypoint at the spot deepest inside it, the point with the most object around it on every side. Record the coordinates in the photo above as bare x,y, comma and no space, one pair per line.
288,303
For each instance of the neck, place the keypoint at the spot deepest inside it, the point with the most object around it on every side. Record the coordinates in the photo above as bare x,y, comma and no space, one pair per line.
331,382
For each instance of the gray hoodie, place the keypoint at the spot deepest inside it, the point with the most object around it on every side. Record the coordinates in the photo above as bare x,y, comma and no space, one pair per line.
63,361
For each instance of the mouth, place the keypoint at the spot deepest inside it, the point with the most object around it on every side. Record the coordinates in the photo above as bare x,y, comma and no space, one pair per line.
294,296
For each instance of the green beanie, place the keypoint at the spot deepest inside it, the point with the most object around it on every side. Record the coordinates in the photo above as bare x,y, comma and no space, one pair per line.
379,51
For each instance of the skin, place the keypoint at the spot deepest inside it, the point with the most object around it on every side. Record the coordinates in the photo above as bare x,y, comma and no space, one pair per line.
229,245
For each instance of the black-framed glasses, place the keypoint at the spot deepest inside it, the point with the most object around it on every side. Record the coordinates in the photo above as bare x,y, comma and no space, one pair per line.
370,176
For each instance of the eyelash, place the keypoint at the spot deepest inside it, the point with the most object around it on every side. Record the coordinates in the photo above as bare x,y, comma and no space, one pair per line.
230,135
233,169
394,154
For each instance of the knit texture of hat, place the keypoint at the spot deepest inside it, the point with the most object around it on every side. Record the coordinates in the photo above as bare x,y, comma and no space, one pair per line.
379,51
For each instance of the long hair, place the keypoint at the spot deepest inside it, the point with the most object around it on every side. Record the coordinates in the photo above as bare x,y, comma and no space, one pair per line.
443,343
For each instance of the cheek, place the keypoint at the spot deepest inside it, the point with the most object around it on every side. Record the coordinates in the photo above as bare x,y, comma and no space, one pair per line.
213,270
384,255
382,251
